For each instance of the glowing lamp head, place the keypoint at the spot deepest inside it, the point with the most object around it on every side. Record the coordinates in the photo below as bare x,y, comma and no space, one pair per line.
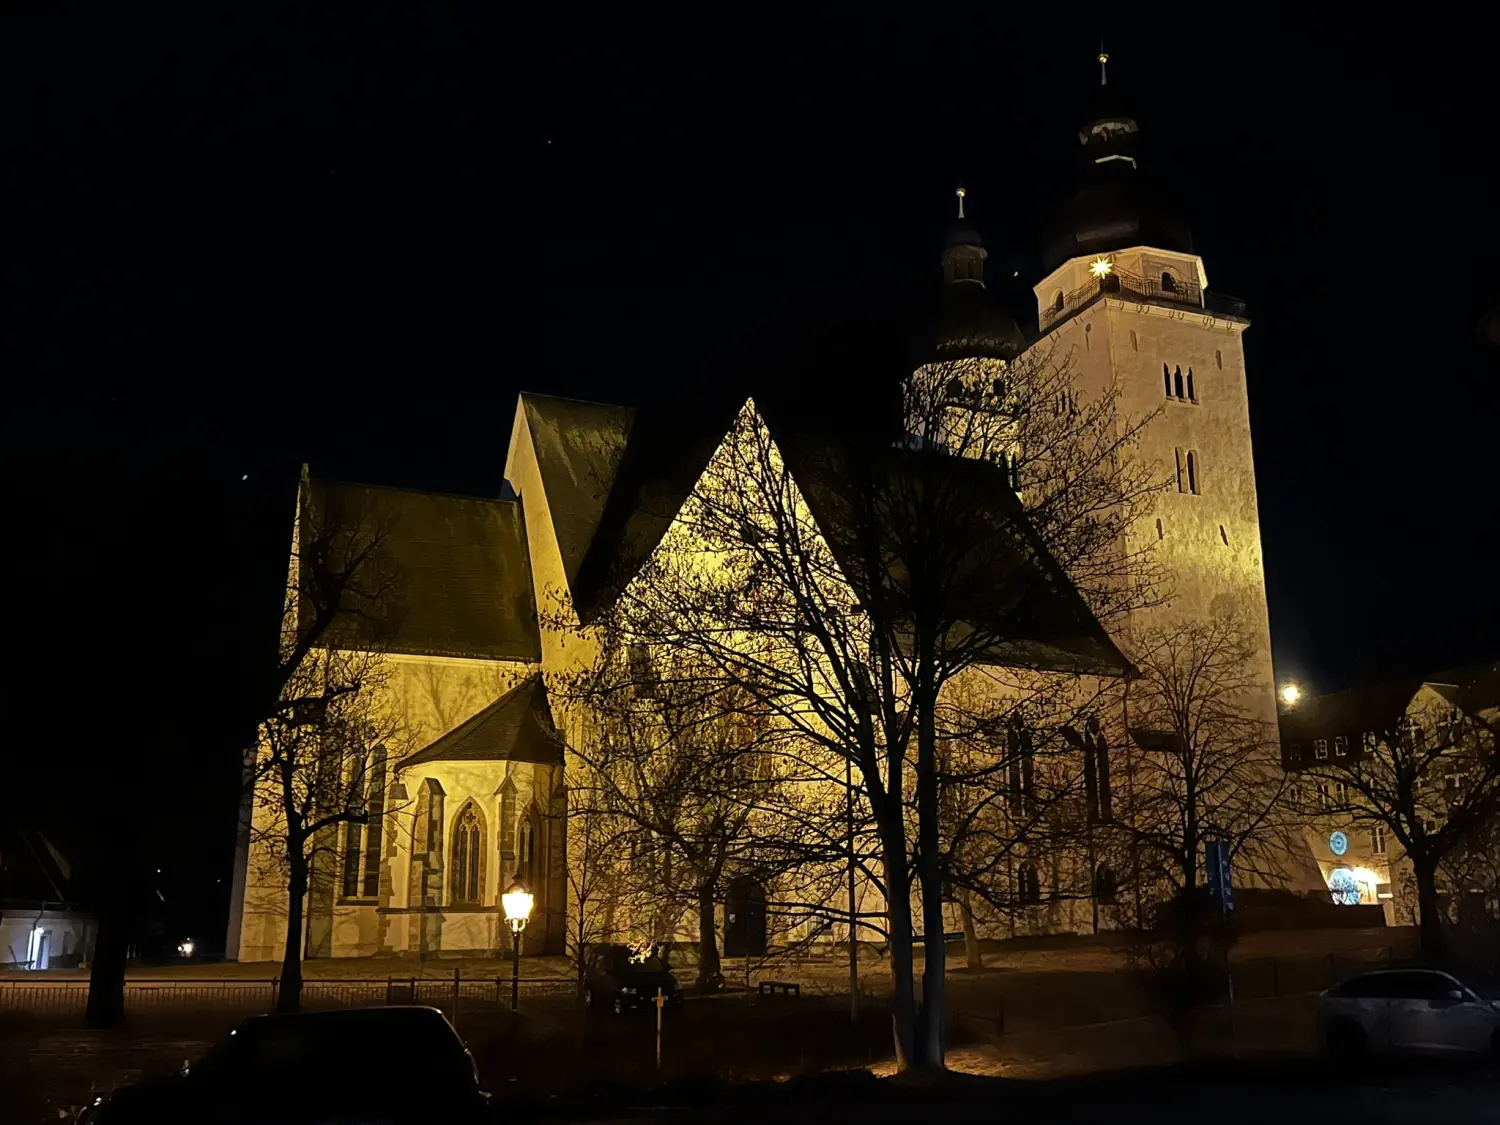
517,903
1101,268
1290,694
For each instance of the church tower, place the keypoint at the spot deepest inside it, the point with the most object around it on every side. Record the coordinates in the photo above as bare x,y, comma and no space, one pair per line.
1126,300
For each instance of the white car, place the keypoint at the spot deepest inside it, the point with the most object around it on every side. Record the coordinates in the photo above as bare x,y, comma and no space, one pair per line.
1417,1010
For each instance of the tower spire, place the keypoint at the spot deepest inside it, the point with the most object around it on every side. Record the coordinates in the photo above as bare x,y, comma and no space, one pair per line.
960,193
1103,64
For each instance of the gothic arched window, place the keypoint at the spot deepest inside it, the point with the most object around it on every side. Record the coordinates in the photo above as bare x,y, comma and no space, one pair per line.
1192,394
1177,382
466,884
1192,472
1168,282
526,846
1166,380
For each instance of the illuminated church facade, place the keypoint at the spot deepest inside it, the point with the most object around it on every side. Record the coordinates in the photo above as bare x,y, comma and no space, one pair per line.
479,793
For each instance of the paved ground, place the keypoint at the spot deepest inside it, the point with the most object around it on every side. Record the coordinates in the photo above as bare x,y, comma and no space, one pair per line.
1034,1014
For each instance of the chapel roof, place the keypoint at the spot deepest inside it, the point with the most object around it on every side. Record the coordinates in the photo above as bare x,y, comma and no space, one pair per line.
459,568
517,727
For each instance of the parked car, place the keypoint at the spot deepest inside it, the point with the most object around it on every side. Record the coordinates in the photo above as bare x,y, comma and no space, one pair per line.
1418,1010
617,978
372,1066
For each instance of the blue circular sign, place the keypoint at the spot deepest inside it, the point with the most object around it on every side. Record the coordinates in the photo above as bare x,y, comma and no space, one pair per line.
1338,843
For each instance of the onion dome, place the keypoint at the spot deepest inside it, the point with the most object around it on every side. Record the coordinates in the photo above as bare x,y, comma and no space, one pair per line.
1117,206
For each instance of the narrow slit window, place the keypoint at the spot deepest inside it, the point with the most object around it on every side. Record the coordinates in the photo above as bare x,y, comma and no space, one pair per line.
1180,479
1166,380
1219,358
1160,534
1192,394
1192,472
1177,381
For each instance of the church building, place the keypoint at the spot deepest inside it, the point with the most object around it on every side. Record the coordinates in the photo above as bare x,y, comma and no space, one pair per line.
481,783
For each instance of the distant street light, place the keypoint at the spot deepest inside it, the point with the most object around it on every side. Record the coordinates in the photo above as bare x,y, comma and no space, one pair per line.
517,902
1290,694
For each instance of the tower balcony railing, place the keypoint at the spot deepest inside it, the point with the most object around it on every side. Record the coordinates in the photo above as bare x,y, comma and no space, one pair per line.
1130,286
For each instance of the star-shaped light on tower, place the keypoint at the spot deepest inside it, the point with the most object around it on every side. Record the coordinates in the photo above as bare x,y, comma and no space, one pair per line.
1101,268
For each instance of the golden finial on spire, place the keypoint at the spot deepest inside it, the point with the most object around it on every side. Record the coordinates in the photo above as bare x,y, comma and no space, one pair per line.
960,193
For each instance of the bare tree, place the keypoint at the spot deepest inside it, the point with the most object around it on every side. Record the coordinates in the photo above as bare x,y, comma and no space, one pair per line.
680,758
595,869
842,585
321,764
1208,769
319,757
1432,780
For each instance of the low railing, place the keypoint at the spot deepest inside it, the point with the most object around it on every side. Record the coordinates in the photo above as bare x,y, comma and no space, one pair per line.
1119,283
62,997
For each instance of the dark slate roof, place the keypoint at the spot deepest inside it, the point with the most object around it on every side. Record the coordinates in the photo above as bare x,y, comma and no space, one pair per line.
578,449
460,568
1016,582
516,727
1000,581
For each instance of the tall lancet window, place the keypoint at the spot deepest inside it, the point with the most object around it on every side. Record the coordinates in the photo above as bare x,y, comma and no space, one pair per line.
467,881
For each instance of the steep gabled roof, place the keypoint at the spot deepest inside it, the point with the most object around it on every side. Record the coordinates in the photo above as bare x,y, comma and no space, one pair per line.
1001,585
578,447
459,565
517,727
1020,596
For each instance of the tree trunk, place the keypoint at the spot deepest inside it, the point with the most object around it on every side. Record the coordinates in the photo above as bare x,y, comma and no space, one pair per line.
930,873
710,976
106,1006
898,917
289,998
971,934
1430,917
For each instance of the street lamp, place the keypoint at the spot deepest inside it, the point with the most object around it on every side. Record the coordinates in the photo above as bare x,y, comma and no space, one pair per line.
1290,694
517,903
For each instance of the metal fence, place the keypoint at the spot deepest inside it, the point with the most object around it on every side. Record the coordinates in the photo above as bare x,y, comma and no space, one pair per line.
248,997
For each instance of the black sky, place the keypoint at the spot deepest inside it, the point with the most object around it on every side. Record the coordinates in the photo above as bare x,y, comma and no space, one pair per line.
352,238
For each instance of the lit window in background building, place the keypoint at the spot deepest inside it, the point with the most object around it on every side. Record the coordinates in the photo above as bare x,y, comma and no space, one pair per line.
1377,839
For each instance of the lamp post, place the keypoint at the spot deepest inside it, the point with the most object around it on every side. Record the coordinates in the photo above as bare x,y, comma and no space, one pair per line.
517,903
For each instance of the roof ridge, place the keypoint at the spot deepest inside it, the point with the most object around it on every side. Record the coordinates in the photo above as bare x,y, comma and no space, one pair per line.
376,486
579,401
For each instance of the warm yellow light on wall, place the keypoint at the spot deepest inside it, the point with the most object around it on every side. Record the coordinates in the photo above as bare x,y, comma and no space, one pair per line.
1101,267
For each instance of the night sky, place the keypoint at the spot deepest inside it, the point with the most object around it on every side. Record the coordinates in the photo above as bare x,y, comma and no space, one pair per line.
352,240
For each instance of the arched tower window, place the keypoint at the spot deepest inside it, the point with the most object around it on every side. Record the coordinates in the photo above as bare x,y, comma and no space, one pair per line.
1181,480
1022,753
466,883
1168,282
1177,382
1192,472
1029,886
1192,394
1106,883
1166,380
1057,301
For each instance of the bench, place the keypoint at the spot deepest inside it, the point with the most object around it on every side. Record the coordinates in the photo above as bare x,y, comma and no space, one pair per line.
780,987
